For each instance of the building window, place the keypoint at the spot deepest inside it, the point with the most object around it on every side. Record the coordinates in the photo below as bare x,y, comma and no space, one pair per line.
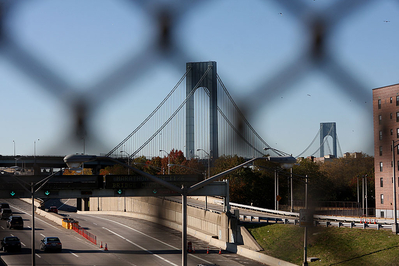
380,134
379,103
390,115
390,100
381,182
397,132
382,214
382,198
391,131
381,166
380,150
397,100
379,119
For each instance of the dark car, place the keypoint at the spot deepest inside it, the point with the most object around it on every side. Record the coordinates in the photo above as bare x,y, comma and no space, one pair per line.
4,205
15,222
53,209
51,244
5,213
10,243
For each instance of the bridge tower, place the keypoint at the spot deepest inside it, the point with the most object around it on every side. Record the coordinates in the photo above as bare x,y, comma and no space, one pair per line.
328,129
194,80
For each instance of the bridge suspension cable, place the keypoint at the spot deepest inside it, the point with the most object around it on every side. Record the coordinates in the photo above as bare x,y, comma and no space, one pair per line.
324,140
242,117
311,143
150,116
172,116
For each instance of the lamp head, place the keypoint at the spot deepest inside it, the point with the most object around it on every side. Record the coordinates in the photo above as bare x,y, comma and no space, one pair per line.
75,161
284,161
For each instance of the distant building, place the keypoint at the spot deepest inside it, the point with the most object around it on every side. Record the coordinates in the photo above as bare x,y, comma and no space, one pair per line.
386,130
323,159
353,155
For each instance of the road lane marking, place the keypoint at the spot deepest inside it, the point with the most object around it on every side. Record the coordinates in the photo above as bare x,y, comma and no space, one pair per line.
140,247
63,204
36,219
42,235
22,243
38,255
153,238
74,254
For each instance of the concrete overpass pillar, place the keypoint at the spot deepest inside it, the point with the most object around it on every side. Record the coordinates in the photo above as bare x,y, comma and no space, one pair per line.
79,204
224,230
86,204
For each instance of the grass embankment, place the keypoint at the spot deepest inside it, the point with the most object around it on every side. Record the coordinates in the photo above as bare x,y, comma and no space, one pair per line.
334,246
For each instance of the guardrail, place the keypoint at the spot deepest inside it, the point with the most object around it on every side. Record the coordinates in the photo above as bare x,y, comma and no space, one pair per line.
83,232
323,220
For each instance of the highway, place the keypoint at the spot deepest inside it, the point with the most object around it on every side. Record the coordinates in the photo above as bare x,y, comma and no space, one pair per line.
129,242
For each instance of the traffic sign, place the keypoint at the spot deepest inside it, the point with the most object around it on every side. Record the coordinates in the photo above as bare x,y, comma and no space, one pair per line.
47,193
12,193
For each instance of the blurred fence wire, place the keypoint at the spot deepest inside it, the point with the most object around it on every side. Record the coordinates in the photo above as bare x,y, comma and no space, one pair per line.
167,16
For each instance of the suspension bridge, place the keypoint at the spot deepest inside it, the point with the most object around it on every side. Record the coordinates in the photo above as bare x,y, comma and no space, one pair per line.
200,118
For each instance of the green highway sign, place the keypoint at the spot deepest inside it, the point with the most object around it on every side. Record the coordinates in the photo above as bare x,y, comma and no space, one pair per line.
12,193
47,193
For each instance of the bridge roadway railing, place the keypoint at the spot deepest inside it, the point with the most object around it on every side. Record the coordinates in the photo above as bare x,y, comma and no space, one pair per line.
323,220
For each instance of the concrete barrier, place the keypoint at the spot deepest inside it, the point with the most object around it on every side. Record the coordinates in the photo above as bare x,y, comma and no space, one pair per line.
56,218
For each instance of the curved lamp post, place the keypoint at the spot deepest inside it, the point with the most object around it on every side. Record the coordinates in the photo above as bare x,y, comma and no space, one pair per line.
32,191
128,161
209,161
286,161
168,160
209,174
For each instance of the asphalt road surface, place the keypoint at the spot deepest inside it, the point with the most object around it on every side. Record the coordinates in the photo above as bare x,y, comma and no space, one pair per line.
129,241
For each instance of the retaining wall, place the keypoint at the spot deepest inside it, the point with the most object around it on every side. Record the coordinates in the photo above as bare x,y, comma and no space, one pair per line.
167,213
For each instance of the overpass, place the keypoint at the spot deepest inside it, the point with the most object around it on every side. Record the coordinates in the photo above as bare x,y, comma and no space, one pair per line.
85,186
45,164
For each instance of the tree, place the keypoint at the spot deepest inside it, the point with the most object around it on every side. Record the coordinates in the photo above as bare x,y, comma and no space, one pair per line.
344,172
86,171
319,186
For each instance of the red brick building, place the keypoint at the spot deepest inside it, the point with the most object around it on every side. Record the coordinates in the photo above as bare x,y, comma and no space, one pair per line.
386,130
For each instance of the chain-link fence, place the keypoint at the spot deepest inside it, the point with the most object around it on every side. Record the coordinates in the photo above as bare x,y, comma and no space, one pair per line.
52,94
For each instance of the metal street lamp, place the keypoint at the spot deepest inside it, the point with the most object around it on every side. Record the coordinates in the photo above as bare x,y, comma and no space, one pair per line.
209,161
209,174
32,191
286,161
34,147
168,160
128,161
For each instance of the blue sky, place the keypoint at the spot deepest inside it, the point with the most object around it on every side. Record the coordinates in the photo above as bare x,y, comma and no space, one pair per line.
251,41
